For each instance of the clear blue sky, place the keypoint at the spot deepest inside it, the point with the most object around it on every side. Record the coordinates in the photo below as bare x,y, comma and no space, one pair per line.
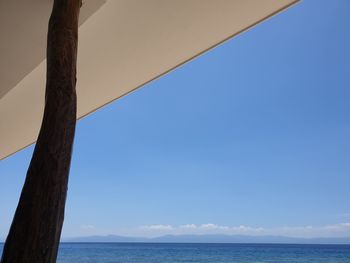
252,137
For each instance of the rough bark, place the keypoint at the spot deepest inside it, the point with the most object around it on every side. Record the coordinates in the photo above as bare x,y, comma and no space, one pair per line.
36,228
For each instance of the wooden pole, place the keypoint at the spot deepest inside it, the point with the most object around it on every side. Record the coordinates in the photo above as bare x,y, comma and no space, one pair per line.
36,228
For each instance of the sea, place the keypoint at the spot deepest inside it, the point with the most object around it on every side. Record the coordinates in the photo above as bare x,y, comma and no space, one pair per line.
201,253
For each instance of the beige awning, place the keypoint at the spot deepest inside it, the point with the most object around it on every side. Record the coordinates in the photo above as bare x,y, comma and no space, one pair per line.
123,44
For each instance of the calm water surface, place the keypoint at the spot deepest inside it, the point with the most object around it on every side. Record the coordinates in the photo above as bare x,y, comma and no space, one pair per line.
203,253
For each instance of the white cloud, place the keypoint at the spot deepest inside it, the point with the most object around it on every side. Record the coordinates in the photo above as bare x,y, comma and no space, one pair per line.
188,226
208,228
213,227
335,230
157,227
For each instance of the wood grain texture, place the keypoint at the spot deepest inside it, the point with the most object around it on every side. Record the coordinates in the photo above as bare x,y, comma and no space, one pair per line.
36,228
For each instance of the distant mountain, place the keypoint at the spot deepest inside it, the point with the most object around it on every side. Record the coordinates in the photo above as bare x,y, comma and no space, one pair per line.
212,239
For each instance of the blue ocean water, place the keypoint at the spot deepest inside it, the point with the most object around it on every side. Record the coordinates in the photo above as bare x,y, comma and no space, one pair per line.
203,253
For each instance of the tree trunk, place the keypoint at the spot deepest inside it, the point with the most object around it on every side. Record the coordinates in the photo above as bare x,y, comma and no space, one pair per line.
36,228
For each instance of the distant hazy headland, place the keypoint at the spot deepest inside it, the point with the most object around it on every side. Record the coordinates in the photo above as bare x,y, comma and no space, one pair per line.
211,239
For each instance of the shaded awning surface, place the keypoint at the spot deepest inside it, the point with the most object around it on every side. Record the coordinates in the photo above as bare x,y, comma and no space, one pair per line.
123,44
